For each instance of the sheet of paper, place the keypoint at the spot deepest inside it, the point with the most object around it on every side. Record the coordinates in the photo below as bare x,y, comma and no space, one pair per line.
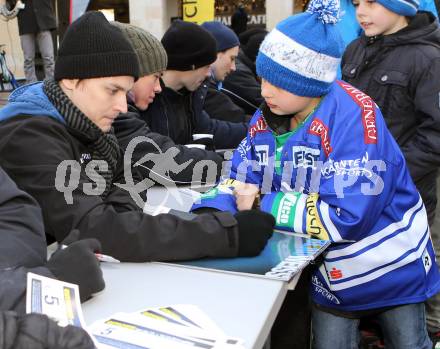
197,316
125,330
177,326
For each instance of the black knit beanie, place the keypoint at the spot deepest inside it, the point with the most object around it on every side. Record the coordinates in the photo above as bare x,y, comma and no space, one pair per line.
253,45
246,35
188,46
93,48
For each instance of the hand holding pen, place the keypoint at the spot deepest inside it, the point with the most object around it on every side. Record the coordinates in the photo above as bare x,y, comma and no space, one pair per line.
108,259
73,236
101,257
75,261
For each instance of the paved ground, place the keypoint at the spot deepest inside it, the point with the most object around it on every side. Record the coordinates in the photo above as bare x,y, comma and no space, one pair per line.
3,98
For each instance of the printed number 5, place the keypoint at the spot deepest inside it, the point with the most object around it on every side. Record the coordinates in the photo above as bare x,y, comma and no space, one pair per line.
51,300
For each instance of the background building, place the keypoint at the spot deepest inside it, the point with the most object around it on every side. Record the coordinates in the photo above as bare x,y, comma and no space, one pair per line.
152,15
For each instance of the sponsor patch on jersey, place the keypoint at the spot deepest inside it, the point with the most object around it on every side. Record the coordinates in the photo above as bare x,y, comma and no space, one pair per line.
427,261
335,274
318,128
259,126
314,226
305,157
243,149
262,152
367,106
283,208
352,167
321,290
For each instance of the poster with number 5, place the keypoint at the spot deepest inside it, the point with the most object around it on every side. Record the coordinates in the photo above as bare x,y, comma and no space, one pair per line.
58,300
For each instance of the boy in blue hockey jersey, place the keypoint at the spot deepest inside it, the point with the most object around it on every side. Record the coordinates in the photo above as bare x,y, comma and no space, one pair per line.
319,156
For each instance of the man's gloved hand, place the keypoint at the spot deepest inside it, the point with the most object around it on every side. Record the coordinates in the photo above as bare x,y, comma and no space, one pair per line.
78,264
254,229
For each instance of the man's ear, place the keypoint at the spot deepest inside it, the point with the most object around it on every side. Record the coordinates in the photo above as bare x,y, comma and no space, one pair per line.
70,84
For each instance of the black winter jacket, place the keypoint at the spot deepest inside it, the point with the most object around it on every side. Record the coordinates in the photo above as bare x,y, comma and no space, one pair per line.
239,21
23,244
401,72
37,16
48,160
220,106
31,150
179,115
37,331
243,86
128,126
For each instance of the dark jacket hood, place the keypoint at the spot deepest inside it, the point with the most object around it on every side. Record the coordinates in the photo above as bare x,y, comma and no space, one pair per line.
29,100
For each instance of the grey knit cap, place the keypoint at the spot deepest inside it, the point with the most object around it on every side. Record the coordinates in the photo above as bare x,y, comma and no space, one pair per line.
151,54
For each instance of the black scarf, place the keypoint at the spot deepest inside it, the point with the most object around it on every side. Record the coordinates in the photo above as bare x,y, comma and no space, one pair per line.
280,124
104,145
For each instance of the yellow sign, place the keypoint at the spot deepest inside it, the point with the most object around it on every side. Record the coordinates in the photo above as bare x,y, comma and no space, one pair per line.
198,11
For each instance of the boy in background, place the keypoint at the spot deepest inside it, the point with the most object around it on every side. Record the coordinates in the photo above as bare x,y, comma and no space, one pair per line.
397,62
319,154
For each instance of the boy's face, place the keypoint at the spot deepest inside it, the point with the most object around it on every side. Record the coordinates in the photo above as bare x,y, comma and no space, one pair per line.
225,63
282,102
192,79
145,89
100,99
375,19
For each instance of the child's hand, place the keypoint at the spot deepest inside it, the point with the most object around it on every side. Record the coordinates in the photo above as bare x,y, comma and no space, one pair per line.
245,194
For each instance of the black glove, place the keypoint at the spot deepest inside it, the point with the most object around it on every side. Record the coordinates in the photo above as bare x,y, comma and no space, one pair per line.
37,331
254,229
78,264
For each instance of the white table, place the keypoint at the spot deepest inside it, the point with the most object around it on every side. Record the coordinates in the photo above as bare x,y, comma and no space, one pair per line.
242,306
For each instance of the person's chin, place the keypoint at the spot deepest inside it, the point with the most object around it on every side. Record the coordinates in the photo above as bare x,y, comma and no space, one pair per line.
105,128
371,31
107,125
193,88
143,106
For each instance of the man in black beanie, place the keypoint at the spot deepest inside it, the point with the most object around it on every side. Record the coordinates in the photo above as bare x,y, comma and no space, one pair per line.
243,85
219,104
178,112
57,143
152,62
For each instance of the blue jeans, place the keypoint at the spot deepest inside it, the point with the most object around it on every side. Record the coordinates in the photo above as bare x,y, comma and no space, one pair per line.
403,327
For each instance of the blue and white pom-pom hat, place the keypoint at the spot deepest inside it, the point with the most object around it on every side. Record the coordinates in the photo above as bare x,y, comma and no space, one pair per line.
302,54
